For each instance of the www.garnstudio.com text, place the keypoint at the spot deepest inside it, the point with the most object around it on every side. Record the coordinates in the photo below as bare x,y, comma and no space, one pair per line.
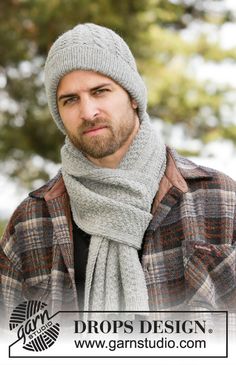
146,343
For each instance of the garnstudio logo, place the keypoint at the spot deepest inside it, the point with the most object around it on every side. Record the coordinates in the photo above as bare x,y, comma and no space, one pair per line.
34,325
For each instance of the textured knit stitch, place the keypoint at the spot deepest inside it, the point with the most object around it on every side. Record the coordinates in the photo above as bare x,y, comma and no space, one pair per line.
113,205
95,48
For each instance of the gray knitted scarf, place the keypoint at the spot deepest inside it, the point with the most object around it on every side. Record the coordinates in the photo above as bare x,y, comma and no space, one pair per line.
113,206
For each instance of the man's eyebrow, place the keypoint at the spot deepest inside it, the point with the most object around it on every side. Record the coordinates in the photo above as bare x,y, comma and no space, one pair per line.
64,96
69,95
100,86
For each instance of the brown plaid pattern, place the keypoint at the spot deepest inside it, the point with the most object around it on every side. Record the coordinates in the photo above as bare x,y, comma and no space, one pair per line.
188,254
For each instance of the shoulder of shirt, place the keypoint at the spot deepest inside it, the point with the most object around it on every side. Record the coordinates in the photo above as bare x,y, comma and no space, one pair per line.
191,172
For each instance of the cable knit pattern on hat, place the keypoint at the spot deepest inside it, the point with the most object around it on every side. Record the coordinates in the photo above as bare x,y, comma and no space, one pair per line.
95,48
113,206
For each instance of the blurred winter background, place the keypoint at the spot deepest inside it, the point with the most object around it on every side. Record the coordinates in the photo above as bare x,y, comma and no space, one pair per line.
185,50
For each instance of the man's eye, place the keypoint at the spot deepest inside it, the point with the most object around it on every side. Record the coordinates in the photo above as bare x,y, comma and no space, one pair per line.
71,100
100,91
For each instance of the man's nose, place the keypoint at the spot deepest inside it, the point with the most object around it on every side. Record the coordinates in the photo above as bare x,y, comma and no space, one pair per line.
88,109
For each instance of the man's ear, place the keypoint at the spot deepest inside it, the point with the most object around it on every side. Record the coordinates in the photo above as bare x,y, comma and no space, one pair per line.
134,104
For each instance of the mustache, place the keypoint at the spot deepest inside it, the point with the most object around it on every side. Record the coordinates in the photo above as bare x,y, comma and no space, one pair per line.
97,122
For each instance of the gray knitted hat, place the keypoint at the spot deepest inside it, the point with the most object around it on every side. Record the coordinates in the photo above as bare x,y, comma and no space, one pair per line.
95,48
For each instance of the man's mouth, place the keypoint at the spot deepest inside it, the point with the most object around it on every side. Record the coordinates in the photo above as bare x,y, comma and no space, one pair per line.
94,130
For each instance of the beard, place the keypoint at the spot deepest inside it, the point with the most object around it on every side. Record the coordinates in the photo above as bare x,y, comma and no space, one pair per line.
108,142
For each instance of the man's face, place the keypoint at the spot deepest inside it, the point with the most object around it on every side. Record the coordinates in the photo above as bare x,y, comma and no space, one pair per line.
98,114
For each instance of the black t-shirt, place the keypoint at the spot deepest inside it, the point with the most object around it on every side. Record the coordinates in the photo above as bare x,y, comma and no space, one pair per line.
81,248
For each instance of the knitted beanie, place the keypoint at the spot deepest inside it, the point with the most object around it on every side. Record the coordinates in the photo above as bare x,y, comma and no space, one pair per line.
94,48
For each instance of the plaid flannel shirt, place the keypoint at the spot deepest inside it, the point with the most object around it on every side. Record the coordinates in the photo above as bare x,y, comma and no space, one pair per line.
188,254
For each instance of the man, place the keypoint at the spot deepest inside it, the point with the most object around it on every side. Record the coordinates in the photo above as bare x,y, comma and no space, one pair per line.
127,224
